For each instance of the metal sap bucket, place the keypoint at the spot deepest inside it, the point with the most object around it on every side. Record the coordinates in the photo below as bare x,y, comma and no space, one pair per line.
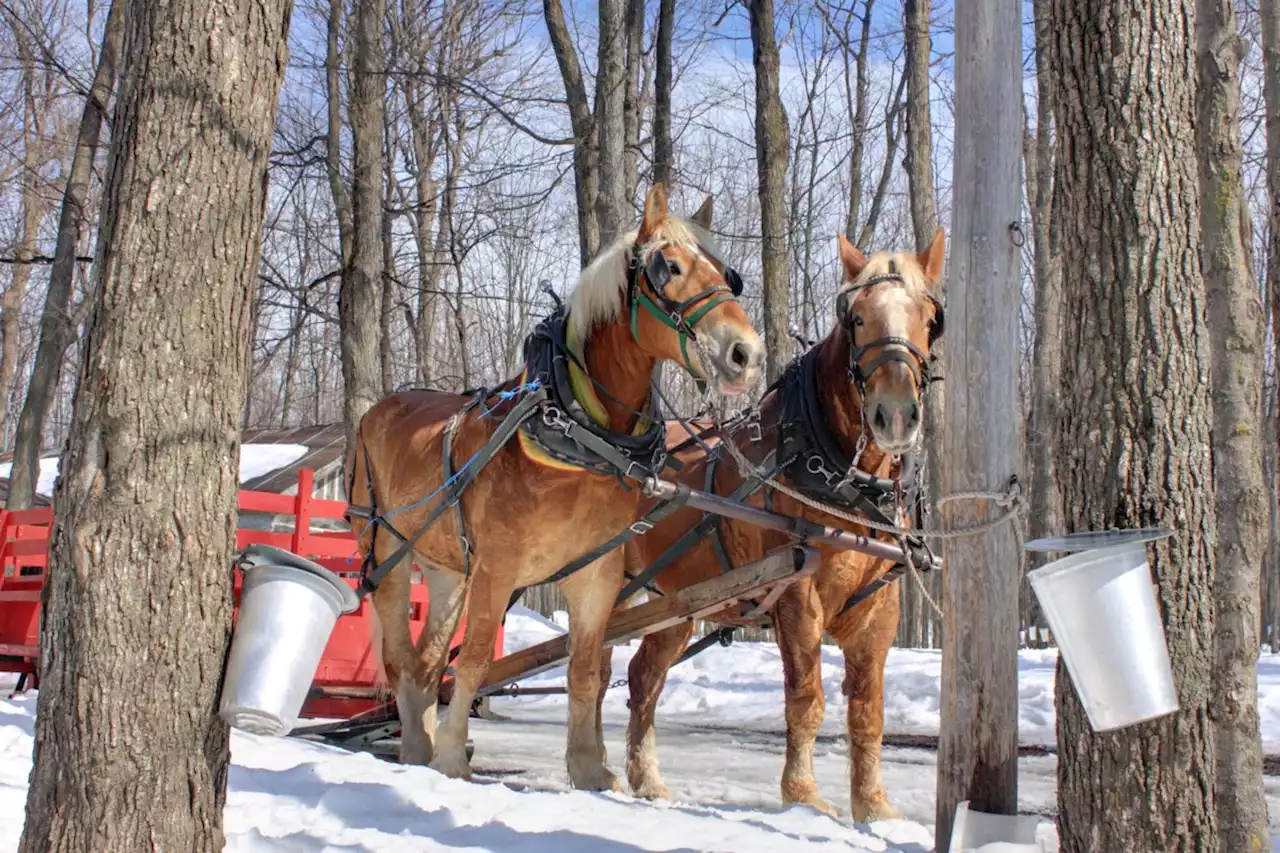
1101,605
981,832
288,607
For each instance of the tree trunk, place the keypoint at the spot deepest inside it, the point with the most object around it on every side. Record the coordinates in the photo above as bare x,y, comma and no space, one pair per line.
1045,511
386,352
978,741
1236,332
857,101
918,160
56,330
662,93
31,207
424,134
1269,17
333,140
610,119
360,296
585,175
772,151
129,752
633,103
1133,445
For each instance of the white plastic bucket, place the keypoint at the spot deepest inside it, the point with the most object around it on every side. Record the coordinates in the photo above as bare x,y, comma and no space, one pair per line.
1101,606
288,607
981,832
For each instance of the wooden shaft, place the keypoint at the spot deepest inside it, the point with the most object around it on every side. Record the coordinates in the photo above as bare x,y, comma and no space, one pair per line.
799,527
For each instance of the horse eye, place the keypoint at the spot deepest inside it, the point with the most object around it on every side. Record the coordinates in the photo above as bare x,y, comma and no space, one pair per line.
857,319
673,266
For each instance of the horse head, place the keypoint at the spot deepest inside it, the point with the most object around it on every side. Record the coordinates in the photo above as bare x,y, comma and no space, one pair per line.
890,312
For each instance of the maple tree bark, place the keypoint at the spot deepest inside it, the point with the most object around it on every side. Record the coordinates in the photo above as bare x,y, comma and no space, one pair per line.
1133,445
129,752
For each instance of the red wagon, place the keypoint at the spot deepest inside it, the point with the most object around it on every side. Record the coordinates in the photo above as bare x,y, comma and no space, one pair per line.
345,684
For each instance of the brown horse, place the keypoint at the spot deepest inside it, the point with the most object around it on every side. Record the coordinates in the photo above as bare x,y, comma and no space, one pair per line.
872,369
528,511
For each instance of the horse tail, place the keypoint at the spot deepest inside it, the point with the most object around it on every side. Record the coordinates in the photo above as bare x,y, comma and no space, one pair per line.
360,498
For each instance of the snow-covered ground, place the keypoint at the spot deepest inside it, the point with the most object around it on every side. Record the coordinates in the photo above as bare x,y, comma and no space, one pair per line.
720,744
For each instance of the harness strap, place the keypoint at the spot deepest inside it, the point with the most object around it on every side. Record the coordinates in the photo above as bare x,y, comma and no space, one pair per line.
717,544
447,453
872,588
745,489
452,493
643,525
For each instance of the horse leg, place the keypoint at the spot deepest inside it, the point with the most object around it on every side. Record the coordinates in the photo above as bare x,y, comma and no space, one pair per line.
390,602
485,611
416,697
606,673
646,677
798,625
866,646
591,593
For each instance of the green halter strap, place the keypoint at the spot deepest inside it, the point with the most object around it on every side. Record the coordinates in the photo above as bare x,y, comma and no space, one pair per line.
671,314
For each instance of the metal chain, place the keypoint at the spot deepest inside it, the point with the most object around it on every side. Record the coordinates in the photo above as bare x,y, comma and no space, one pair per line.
1010,499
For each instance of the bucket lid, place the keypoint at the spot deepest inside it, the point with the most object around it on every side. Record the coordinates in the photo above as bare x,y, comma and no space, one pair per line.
1088,540
258,554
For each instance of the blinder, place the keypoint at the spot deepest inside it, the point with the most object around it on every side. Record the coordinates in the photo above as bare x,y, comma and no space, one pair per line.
669,312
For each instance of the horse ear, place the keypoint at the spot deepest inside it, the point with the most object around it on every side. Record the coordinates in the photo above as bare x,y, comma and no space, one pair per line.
703,216
931,258
853,261
655,211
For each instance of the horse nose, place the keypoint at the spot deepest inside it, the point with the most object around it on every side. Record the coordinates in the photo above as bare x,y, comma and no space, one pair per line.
897,417
740,359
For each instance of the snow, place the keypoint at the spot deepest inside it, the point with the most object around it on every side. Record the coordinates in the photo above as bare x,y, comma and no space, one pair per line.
721,747
259,459
255,460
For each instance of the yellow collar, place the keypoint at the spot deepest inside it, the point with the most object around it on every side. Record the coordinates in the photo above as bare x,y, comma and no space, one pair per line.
584,392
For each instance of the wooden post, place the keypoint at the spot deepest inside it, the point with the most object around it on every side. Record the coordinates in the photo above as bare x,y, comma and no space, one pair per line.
302,509
978,747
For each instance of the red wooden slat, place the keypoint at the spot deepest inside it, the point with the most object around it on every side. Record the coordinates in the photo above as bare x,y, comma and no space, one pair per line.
348,659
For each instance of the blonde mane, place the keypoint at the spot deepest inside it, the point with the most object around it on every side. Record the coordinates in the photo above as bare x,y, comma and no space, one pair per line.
906,265
601,291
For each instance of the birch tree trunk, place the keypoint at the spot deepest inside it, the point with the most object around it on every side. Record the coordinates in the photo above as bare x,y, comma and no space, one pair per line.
360,294
56,329
1236,332
1133,446
772,151
129,752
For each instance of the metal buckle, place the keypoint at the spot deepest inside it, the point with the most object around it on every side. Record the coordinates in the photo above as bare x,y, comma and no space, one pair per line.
754,431
820,469
641,527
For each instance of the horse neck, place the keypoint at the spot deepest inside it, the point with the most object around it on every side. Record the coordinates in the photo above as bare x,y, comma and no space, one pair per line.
616,362
842,404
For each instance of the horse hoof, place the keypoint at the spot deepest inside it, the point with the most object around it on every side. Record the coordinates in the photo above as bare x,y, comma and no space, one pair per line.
868,812
453,764
420,756
814,800
652,789
599,779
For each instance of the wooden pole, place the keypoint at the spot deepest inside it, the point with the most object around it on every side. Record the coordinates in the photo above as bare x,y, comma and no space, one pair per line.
978,747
